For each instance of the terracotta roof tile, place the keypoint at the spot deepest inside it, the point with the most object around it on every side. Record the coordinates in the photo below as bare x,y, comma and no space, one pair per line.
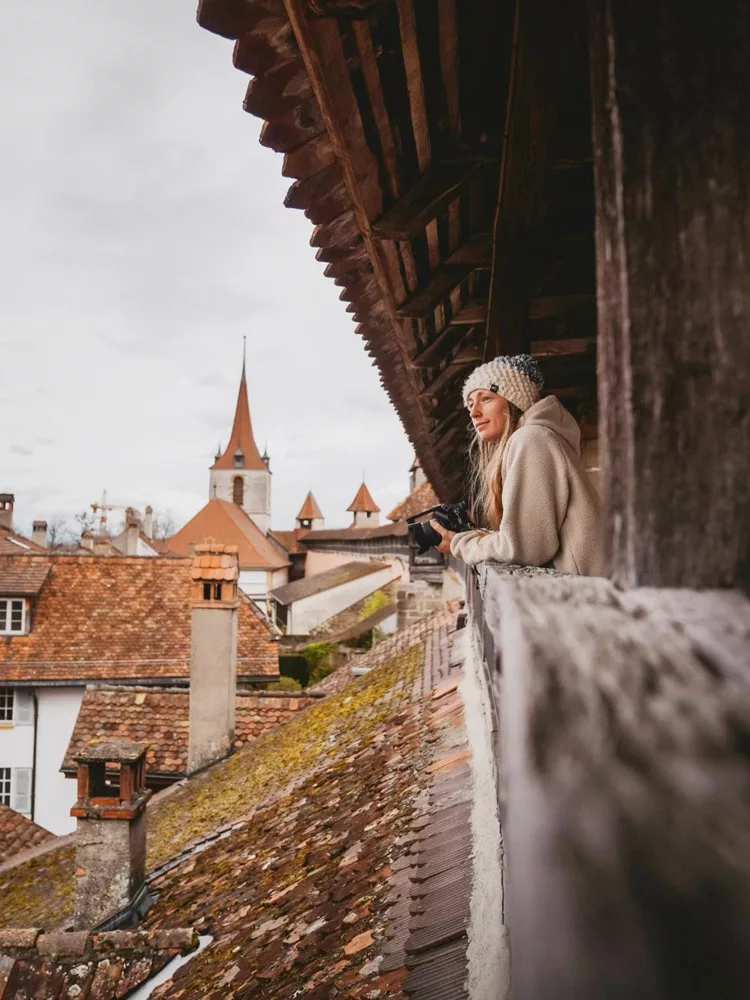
421,498
397,530
119,619
12,544
363,502
309,510
337,576
17,833
228,523
22,577
160,717
290,541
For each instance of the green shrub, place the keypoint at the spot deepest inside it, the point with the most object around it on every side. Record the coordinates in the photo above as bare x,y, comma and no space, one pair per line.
288,684
319,656
374,603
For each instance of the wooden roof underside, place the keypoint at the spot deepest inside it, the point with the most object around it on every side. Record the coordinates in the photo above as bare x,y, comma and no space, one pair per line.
397,131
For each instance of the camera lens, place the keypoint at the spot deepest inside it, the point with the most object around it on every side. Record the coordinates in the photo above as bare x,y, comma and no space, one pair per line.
424,535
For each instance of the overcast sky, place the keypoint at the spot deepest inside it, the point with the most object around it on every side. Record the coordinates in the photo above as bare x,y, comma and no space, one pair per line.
142,234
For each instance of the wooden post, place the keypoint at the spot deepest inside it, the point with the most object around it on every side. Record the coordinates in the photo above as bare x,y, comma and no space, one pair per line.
671,126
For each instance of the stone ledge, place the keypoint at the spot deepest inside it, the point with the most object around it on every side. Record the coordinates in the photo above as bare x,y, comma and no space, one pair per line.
32,942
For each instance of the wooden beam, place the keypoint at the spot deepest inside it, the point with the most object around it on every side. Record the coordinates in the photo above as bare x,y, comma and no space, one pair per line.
450,339
477,250
672,159
553,348
438,288
411,213
472,314
415,85
444,378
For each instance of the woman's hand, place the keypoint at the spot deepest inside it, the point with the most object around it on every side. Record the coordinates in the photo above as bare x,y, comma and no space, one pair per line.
446,535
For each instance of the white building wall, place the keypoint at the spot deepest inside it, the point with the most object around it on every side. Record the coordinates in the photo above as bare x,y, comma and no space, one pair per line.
55,794
318,562
17,750
308,612
257,495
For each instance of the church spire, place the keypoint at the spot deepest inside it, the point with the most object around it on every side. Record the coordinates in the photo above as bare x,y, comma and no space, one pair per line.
242,451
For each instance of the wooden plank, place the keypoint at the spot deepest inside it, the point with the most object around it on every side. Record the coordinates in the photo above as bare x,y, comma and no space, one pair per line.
412,212
448,340
473,313
369,65
448,38
673,291
623,721
451,373
476,250
552,348
415,85
438,288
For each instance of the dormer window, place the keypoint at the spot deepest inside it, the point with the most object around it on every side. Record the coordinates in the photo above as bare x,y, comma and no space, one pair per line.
239,460
305,523
12,616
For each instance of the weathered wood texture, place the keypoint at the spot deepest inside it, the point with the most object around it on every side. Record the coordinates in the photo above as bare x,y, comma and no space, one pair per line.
670,86
623,742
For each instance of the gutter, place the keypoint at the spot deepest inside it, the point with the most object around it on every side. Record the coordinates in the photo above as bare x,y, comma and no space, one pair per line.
33,757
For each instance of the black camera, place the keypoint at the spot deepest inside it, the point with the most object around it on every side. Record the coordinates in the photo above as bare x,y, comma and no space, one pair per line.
453,516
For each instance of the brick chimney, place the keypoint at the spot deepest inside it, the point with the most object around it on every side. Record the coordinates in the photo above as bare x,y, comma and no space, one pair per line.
132,531
213,666
111,834
87,541
6,510
39,533
148,522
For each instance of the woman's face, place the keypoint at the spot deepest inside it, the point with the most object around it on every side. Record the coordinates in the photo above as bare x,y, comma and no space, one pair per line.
489,414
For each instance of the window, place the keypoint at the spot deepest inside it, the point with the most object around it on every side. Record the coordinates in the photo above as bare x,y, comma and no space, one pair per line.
239,460
238,490
12,616
6,704
5,773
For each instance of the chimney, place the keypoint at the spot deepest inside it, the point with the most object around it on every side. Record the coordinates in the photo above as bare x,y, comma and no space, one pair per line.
6,510
148,522
213,666
87,541
111,833
39,533
132,531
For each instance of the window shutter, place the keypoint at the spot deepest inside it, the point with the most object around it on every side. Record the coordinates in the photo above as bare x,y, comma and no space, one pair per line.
23,708
21,790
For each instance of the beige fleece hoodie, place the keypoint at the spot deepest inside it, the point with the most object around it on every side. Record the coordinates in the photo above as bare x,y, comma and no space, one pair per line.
550,507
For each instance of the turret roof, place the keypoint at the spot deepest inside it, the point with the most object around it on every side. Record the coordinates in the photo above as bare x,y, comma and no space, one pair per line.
242,435
363,502
309,511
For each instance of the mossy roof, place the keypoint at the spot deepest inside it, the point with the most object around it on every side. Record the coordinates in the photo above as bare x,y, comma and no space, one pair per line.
343,751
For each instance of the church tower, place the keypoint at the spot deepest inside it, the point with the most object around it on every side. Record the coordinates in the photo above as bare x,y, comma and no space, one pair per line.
240,475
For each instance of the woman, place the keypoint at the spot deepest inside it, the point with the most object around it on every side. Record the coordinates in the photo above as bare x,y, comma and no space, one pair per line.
532,494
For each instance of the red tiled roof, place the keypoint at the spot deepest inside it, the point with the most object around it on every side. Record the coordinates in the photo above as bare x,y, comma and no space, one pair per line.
13,544
309,510
160,716
290,541
17,833
363,502
21,577
242,436
119,619
229,524
421,498
337,576
396,530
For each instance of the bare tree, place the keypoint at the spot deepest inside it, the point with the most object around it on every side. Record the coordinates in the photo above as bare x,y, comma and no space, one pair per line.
56,532
85,521
164,524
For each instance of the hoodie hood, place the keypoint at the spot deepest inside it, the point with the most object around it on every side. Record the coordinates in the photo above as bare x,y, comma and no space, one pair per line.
550,413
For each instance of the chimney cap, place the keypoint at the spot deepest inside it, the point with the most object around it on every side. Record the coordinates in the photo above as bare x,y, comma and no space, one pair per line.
39,525
114,752
7,498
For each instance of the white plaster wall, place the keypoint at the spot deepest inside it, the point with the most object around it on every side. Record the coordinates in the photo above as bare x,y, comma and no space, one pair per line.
16,745
305,614
55,794
257,495
279,577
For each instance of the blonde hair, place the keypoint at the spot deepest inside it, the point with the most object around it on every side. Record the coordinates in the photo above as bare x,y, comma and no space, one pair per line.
485,473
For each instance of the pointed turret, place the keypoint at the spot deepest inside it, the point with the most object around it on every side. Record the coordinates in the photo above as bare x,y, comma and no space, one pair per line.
365,509
310,514
242,451
240,475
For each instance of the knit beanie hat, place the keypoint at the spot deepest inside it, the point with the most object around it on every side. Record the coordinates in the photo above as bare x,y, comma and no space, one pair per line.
517,378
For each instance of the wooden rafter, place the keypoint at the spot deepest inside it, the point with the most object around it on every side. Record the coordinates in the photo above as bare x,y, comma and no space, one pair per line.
438,288
473,313
450,339
411,213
